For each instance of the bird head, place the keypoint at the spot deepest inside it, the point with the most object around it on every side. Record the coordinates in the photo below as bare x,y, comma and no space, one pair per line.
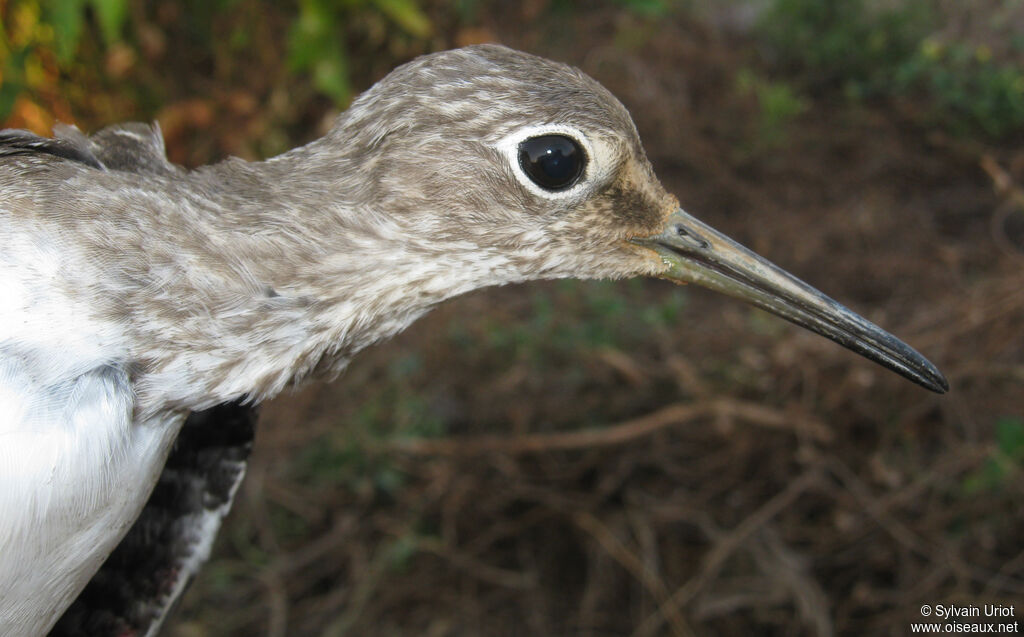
491,151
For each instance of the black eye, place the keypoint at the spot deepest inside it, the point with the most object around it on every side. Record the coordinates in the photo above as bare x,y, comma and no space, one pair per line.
553,162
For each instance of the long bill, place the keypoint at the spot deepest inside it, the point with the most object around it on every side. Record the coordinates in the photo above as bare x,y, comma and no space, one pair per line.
697,253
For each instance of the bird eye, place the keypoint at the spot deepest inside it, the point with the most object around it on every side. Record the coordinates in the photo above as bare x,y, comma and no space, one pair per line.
553,162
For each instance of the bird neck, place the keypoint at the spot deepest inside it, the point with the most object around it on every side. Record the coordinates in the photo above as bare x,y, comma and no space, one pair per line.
294,267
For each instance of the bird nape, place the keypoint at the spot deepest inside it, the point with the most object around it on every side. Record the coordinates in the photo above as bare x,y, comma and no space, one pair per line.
147,306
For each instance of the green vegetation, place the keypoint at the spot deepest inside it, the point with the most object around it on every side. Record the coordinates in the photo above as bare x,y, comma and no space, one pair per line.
316,42
1005,464
778,106
47,43
652,8
862,49
67,19
620,314
969,89
895,51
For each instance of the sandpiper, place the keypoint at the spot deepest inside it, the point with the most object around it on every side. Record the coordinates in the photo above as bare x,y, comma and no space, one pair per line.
147,308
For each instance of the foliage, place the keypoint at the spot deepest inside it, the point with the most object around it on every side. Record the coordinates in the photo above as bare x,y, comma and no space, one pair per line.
863,48
1006,461
615,319
842,42
778,103
67,17
43,42
891,51
316,42
37,36
653,8
969,89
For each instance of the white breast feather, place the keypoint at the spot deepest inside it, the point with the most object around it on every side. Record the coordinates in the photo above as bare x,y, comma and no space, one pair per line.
74,474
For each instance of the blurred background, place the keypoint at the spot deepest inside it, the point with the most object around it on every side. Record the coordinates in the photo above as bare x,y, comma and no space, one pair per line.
626,458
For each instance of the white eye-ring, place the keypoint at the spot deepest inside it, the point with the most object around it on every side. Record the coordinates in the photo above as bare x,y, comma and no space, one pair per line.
554,161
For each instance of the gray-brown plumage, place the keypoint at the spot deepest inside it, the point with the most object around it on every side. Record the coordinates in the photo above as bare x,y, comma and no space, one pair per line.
141,292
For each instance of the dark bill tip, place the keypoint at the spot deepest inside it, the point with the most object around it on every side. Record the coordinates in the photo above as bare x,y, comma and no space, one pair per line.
696,253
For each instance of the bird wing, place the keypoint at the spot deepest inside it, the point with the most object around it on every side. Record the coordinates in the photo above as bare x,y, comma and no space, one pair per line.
144,577
147,572
15,142
131,147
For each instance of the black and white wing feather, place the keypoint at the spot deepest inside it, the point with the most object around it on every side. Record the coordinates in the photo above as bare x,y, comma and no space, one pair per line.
138,585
